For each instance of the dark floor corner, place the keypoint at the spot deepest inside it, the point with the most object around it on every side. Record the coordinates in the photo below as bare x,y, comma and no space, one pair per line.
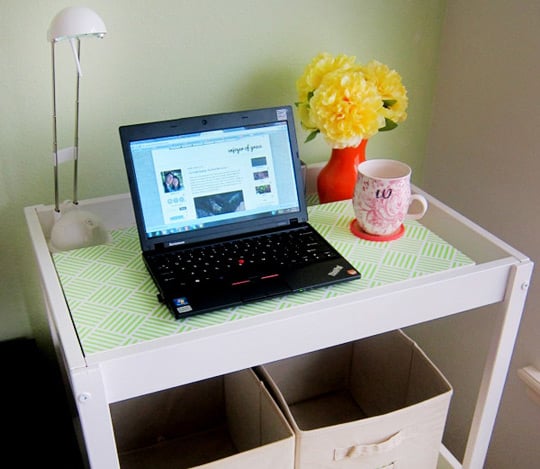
36,414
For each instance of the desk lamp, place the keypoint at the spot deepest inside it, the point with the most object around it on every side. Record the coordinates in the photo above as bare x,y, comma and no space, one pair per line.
73,228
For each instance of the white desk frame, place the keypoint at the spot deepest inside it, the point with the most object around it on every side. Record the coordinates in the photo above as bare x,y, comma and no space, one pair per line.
501,275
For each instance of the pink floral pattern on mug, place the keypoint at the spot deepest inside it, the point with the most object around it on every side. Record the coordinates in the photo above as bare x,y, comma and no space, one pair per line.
382,197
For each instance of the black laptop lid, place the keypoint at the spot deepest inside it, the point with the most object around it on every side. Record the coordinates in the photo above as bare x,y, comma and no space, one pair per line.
201,178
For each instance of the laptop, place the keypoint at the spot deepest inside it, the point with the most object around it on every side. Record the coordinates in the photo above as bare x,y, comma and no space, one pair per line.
221,213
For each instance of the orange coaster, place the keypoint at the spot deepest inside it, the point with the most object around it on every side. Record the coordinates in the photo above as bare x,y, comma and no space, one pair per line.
360,233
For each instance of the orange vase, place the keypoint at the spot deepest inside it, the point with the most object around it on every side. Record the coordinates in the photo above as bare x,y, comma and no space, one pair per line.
337,179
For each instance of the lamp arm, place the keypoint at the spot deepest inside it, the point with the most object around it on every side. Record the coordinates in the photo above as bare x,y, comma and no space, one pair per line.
76,137
76,53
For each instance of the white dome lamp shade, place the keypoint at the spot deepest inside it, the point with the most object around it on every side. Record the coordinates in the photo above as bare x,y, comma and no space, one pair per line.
73,227
75,22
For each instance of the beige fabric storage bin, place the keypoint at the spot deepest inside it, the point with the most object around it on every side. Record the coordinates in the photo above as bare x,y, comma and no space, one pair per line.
374,403
224,422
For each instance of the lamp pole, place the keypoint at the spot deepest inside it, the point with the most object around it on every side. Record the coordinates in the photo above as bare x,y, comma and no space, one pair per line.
76,139
55,135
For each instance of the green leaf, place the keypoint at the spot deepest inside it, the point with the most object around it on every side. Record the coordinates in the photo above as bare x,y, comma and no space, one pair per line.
388,103
301,103
310,95
389,124
311,136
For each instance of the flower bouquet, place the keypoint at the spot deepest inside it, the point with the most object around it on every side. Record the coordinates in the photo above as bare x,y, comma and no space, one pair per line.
348,103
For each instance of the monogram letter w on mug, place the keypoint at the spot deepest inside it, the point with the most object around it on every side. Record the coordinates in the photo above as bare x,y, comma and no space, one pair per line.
382,200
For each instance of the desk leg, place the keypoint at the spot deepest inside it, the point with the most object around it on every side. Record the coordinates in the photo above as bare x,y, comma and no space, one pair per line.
95,418
496,368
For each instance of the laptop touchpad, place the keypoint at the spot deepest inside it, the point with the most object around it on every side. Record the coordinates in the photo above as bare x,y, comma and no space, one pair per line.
262,288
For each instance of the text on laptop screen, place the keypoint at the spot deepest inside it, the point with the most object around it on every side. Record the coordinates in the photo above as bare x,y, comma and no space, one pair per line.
193,181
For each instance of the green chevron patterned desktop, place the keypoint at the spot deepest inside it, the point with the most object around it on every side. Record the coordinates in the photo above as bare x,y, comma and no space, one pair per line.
113,302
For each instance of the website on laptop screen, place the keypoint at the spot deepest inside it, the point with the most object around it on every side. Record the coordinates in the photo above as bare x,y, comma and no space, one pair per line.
193,181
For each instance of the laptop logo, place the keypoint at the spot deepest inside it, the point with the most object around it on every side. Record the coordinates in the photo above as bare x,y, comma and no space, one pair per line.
182,305
335,271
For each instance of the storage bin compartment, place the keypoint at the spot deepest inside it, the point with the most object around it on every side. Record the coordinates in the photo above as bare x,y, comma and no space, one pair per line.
227,422
373,403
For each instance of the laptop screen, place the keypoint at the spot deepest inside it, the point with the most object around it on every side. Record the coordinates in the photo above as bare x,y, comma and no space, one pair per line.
200,178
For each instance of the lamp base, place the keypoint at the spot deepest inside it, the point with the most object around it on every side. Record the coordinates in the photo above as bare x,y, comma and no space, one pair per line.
75,228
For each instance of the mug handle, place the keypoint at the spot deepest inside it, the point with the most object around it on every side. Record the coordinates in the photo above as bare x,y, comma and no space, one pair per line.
422,202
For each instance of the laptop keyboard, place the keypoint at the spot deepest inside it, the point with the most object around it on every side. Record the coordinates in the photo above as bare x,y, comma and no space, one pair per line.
240,261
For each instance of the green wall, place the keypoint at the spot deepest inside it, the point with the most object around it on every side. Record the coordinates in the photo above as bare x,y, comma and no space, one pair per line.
173,58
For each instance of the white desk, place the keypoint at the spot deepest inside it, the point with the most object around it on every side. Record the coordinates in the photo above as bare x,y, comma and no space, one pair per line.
499,274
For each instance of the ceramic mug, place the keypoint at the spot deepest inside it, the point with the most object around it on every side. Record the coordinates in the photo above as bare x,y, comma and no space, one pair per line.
382,197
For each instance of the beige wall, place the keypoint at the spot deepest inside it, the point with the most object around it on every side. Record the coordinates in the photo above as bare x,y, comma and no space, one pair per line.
173,58
484,159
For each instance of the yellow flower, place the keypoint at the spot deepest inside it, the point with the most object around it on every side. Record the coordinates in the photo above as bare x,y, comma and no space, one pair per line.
346,108
322,64
347,102
392,91
316,70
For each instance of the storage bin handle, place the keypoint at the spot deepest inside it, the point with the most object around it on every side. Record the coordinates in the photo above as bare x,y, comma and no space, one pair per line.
358,451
